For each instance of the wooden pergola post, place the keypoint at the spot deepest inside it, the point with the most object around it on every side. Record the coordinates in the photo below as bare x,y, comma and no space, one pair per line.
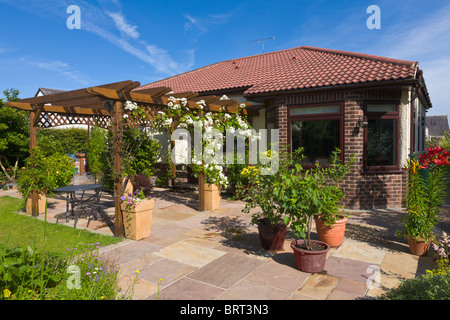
34,116
117,127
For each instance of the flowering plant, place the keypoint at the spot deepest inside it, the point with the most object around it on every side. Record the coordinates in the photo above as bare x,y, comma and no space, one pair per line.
425,193
442,255
434,157
180,115
133,199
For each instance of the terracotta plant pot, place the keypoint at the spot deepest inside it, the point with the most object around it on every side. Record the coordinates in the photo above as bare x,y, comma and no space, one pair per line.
333,236
418,247
42,200
271,236
138,220
211,196
310,261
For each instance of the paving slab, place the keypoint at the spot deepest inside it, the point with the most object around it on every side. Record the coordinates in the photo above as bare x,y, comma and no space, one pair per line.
249,290
226,270
187,252
165,271
131,251
319,286
189,289
348,269
277,275
362,251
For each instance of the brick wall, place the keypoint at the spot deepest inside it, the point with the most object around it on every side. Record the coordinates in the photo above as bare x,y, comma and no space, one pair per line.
363,190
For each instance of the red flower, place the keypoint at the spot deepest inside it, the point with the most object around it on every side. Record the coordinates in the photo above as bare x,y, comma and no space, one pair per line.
434,156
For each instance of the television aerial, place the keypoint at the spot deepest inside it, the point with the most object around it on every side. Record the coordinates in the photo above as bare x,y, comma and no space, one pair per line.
262,41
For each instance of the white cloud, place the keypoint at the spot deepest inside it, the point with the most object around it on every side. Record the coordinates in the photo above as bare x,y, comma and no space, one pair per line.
123,26
56,66
205,24
98,19
193,23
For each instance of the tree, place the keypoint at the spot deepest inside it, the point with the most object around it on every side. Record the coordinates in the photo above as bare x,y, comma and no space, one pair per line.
14,135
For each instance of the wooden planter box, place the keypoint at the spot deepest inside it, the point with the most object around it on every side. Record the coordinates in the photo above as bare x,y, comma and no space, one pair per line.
138,220
42,200
211,196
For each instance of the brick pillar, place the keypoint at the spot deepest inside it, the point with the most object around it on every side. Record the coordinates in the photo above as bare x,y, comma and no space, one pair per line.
353,144
282,124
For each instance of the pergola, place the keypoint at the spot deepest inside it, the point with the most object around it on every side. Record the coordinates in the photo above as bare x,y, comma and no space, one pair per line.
102,106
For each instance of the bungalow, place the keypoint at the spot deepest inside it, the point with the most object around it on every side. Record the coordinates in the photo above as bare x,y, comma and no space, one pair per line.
436,126
320,99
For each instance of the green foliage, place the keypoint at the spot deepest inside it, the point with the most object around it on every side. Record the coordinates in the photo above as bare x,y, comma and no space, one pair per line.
96,151
26,271
264,191
63,140
45,172
14,135
424,196
139,154
423,287
85,274
97,275
311,193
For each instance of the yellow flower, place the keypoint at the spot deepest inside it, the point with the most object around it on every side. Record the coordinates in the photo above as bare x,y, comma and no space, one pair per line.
137,271
6,293
161,279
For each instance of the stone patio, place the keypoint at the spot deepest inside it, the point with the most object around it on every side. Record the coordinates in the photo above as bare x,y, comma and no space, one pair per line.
216,255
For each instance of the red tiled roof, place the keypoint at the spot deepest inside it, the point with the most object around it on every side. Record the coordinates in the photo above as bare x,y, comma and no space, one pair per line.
291,69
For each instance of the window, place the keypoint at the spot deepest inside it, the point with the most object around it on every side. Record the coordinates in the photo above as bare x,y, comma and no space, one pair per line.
381,136
318,129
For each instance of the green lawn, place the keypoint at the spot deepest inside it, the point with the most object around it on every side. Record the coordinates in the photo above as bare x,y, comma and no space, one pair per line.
17,230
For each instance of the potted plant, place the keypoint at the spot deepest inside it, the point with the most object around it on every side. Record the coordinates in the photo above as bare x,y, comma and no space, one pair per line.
424,196
308,195
331,223
43,173
263,195
137,211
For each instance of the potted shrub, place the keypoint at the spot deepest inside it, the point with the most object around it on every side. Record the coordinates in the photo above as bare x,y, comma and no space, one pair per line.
424,196
137,209
43,173
263,195
308,195
331,223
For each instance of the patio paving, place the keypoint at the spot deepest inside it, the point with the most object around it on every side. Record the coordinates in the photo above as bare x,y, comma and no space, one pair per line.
216,255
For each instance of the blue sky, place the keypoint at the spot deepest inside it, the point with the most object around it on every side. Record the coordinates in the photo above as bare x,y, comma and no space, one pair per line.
150,40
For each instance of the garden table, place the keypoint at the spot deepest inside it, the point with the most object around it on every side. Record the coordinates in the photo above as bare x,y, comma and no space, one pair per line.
76,196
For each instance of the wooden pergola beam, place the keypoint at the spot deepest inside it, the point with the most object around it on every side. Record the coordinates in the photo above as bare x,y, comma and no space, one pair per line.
74,94
63,110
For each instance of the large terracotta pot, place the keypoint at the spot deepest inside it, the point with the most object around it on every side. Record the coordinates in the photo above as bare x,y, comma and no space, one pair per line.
271,236
42,200
418,247
310,261
334,235
138,220
211,196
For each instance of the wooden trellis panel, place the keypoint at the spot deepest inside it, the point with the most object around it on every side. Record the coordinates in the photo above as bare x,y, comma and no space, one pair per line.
50,119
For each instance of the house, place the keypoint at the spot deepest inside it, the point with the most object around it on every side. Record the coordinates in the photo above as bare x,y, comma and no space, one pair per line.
320,99
436,126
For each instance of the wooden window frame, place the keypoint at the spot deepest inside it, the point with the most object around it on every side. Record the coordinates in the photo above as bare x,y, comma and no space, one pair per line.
391,115
316,117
